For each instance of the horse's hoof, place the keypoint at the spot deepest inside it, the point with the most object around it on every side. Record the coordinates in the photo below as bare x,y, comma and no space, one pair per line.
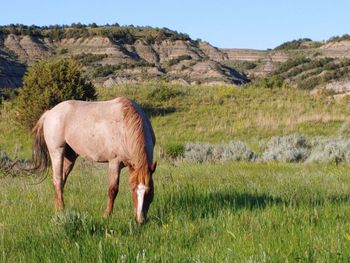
106,215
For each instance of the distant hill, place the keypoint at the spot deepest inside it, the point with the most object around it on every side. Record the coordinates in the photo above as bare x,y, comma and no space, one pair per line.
115,54
302,63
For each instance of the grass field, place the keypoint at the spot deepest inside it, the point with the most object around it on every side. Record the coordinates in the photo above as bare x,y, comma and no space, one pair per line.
236,212
228,212
215,114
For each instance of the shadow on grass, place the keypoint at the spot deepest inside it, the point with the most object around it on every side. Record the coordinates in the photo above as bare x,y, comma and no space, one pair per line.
212,204
158,111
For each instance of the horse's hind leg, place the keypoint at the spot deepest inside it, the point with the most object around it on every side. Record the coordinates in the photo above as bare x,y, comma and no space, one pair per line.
68,162
57,168
114,169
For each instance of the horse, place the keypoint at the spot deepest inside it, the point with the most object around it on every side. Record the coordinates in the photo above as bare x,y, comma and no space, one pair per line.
115,131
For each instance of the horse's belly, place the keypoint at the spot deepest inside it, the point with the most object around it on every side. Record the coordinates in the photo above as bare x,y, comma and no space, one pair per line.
100,145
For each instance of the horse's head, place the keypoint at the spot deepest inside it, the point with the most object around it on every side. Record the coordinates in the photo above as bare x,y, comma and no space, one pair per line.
142,194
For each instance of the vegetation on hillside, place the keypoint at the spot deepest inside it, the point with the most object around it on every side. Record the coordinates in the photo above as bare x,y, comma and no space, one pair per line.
345,37
301,43
307,73
106,70
178,59
7,94
86,59
125,34
218,114
241,65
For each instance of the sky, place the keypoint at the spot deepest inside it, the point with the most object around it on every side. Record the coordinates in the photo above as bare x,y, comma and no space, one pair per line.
258,24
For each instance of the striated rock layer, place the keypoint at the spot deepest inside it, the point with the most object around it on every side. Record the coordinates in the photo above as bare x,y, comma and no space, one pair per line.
191,61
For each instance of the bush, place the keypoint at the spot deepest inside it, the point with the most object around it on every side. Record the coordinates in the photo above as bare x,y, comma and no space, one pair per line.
8,94
198,152
330,150
89,58
16,167
291,148
46,84
173,151
270,83
291,63
72,223
5,162
240,65
232,151
309,83
298,44
163,93
177,60
106,70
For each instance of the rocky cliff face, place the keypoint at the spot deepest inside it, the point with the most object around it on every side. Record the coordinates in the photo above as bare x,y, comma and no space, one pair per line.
113,54
11,71
187,60
28,48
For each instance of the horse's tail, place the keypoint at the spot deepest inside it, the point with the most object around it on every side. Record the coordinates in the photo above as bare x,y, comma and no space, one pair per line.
41,156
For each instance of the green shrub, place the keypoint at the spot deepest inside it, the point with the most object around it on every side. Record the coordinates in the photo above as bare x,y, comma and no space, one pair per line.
339,38
48,83
72,223
173,150
291,63
162,93
106,70
89,58
177,60
270,83
309,83
63,51
301,43
240,65
8,94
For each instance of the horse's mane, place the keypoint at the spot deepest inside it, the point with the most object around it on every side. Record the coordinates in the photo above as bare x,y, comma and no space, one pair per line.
135,140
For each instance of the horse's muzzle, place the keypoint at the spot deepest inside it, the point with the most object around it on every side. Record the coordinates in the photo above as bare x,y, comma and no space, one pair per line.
140,219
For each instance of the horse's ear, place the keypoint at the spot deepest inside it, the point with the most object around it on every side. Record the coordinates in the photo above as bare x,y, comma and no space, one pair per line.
153,167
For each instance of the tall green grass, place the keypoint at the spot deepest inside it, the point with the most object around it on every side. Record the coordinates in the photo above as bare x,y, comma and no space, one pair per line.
231,212
236,212
217,114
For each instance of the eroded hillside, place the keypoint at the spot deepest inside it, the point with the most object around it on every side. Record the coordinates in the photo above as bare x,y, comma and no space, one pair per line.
127,54
116,54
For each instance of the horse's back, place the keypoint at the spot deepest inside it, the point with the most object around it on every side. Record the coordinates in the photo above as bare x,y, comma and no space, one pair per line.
91,129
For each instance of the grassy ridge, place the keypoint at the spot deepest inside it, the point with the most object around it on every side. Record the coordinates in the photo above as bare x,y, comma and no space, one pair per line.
126,34
216,114
202,213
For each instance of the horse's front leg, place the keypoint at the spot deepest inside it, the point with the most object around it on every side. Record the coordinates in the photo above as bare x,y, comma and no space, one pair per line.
114,169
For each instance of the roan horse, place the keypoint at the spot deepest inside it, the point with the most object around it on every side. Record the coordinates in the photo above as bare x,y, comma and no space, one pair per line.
115,131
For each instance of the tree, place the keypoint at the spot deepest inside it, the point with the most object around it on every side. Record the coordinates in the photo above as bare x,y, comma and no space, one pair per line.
49,82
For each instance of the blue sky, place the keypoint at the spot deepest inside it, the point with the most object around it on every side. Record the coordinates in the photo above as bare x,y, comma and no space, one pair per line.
259,24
